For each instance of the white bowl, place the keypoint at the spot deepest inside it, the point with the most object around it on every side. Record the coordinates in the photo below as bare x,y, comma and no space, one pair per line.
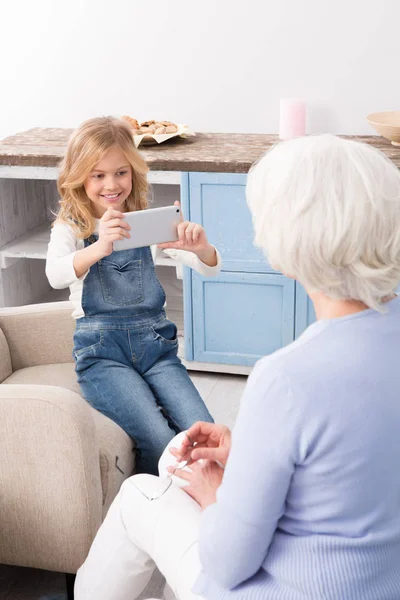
387,124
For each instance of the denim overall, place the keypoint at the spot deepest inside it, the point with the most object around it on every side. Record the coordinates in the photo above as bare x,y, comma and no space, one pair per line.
125,351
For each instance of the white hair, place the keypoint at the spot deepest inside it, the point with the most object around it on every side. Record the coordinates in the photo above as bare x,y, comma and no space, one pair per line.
326,211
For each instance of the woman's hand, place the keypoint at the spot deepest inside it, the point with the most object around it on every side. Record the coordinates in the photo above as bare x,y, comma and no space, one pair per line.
112,227
204,440
204,479
192,237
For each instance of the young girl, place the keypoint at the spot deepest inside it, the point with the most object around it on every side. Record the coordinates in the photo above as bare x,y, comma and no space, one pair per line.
125,348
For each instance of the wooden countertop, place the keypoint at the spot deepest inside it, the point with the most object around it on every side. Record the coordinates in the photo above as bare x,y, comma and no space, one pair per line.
209,152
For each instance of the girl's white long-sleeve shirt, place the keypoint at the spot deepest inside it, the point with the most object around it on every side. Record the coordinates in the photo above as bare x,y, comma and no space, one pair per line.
61,274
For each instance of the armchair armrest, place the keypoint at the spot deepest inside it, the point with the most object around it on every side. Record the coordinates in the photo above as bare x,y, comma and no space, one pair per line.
5,358
38,334
50,487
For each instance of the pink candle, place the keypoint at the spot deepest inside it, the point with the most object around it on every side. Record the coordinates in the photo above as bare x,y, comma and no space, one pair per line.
292,121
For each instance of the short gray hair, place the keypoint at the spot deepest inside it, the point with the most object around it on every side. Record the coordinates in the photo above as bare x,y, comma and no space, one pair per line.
326,211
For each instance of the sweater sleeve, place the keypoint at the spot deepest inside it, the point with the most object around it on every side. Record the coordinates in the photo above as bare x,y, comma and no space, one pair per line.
62,248
236,531
189,259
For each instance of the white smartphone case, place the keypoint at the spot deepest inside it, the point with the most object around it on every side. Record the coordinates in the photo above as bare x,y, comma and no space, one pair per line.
151,226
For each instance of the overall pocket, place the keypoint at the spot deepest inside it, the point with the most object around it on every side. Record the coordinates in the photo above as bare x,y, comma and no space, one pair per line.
87,341
121,284
165,331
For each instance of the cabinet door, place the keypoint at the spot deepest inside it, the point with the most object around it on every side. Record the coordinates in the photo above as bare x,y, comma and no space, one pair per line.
218,202
305,314
240,317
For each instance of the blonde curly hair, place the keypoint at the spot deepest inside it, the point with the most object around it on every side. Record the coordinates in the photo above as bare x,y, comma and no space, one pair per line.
86,146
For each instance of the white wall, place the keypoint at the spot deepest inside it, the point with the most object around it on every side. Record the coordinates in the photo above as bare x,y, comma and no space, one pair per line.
217,65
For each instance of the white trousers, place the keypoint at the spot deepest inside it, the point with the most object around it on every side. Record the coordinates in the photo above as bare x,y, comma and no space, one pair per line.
138,534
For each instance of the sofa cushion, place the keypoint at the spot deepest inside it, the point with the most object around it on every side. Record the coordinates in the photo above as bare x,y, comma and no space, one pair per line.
116,449
62,374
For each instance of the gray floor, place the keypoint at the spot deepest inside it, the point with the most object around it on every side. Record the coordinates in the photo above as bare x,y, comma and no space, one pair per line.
222,394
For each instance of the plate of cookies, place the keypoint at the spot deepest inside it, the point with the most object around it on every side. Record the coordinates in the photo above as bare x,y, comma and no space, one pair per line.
156,132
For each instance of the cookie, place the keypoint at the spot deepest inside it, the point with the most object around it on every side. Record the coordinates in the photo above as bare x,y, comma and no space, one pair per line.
147,123
132,122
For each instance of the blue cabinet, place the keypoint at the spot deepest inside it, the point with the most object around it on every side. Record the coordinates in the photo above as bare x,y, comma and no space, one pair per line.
248,311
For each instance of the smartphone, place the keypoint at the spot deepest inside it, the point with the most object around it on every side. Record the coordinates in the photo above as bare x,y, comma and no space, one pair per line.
151,226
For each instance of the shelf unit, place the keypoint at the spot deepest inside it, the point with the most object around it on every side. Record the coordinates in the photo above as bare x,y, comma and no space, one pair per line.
28,203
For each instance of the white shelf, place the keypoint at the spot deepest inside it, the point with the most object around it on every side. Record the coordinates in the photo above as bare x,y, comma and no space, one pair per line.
33,244
51,174
164,177
18,172
166,261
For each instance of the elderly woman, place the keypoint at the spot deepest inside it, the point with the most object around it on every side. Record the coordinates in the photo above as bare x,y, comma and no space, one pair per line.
308,506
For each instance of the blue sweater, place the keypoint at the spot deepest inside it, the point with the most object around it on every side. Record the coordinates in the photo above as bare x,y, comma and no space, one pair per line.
309,507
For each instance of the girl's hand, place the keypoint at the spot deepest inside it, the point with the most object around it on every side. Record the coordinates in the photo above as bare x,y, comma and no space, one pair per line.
192,237
204,479
112,227
204,441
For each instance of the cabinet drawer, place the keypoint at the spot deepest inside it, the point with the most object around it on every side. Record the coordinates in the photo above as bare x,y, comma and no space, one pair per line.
218,202
240,317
